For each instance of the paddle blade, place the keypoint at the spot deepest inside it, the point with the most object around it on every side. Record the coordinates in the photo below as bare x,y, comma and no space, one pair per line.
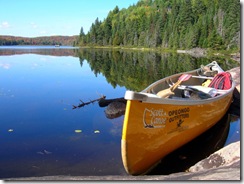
184,77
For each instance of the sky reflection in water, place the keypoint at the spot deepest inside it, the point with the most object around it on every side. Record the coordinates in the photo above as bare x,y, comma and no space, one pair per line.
37,131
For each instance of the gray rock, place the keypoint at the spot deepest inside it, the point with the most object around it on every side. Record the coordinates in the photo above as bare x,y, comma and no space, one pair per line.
230,172
223,157
235,73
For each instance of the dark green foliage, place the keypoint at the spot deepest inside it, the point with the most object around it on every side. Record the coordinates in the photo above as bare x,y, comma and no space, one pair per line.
177,24
136,69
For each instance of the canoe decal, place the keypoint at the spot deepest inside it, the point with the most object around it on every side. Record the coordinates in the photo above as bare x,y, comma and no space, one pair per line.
157,118
179,114
154,118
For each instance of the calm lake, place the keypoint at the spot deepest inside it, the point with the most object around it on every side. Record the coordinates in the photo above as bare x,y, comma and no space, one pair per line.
40,133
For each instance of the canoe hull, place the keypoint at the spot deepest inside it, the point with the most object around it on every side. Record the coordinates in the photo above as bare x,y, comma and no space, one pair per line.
153,130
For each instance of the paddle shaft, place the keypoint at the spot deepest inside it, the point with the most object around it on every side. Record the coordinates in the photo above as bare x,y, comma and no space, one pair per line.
167,92
175,85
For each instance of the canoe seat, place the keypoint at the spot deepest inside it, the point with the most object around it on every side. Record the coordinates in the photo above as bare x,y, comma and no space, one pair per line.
198,92
205,92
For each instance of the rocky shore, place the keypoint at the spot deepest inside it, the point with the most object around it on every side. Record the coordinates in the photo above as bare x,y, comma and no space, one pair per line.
195,52
221,165
200,52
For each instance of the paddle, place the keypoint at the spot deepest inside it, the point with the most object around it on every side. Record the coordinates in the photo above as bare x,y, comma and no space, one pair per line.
167,92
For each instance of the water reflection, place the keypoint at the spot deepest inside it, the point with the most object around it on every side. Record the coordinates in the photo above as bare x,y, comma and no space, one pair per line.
196,150
37,89
136,70
41,50
234,132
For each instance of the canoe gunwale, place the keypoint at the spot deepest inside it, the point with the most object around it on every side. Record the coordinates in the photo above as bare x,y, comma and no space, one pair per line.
151,98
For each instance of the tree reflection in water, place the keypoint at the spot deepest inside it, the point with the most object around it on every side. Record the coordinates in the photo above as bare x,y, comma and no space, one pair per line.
136,69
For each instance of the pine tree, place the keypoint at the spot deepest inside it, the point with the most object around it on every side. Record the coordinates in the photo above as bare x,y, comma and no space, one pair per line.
169,23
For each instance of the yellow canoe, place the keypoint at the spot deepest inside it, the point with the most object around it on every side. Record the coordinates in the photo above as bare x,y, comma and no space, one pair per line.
155,126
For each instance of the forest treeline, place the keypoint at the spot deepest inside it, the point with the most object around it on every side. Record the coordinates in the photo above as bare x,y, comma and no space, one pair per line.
45,40
170,24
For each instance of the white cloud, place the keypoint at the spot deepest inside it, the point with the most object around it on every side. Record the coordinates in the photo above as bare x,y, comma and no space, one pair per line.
43,59
5,65
43,32
33,25
4,25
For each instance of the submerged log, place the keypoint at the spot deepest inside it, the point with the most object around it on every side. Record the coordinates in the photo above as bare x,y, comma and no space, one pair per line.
105,102
82,104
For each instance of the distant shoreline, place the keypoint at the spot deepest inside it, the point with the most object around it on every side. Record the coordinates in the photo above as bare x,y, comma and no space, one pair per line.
42,40
37,47
195,52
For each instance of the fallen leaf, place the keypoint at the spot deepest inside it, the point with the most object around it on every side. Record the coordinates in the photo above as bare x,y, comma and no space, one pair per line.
47,152
96,131
78,131
39,152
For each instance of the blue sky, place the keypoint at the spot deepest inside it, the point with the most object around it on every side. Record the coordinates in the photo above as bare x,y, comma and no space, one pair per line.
32,18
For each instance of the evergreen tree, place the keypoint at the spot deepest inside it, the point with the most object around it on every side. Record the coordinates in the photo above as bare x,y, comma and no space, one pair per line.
174,24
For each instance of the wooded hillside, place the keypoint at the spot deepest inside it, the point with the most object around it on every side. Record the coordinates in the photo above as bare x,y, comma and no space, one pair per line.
173,24
48,40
